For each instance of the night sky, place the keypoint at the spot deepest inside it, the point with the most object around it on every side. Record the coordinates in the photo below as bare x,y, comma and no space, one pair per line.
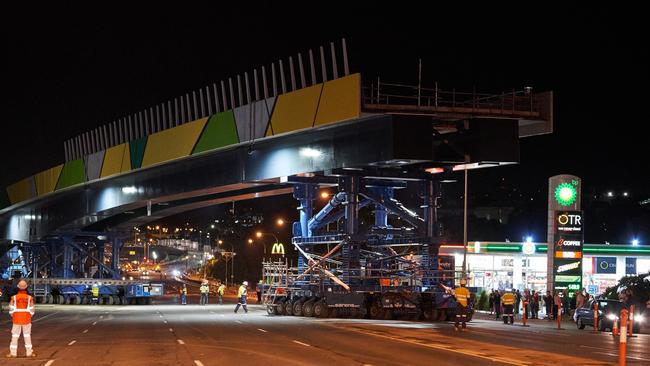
67,74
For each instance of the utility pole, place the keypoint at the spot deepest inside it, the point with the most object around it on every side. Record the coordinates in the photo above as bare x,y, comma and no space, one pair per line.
465,220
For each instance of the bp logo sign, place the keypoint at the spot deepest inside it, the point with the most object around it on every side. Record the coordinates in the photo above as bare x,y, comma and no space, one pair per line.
566,193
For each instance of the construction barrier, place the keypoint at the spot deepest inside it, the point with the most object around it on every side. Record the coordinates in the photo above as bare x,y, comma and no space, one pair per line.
631,319
595,316
525,313
559,317
623,338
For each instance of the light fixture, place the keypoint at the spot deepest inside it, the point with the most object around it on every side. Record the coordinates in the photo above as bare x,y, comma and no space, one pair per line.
280,222
309,152
635,242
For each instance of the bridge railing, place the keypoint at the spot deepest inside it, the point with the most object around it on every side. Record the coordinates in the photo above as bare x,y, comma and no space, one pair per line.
384,95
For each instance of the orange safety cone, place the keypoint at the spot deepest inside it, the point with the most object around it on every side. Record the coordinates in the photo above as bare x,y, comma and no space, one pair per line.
524,318
595,317
559,317
622,349
615,328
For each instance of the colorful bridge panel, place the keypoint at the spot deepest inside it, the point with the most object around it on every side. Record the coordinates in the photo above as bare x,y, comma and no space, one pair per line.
252,120
340,100
117,159
173,143
94,165
295,110
46,180
220,131
22,190
136,148
73,173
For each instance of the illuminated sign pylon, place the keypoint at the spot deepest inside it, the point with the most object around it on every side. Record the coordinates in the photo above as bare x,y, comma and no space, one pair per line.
278,248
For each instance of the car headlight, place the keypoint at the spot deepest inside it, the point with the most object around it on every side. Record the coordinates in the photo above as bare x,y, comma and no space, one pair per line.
612,317
639,319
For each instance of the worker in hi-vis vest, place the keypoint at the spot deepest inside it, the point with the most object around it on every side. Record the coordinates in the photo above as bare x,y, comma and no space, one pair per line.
461,294
241,294
508,301
21,308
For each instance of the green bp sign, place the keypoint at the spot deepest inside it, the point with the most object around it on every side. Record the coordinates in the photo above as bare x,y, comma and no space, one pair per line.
566,193
565,234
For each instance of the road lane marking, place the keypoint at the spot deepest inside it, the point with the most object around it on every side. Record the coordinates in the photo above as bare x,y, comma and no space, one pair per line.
449,349
262,330
41,318
180,341
95,323
238,321
49,363
198,363
71,343
304,344
165,321
86,331
171,330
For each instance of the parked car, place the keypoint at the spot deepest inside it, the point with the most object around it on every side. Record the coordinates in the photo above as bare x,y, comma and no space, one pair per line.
608,313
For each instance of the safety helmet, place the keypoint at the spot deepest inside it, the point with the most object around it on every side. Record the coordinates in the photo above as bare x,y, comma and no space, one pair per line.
205,282
22,284
245,283
463,282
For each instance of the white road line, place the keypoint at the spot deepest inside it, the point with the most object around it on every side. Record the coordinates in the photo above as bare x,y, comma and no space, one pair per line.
160,316
238,321
165,321
39,319
262,330
304,344
171,330
95,323
71,343
198,363
49,363
86,331
180,341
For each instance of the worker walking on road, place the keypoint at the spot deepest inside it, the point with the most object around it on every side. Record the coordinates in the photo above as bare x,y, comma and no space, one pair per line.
184,295
508,299
241,294
220,292
205,290
21,308
461,294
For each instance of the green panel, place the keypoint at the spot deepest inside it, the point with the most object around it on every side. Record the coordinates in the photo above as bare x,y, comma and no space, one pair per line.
220,131
73,173
137,147
4,198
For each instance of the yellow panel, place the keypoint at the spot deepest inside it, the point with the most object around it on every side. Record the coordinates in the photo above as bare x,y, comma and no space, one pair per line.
46,180
172,143
340,100
295,110
117,159
20,191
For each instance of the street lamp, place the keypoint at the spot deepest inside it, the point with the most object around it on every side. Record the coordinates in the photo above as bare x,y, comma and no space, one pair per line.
280,222
635,242
260,234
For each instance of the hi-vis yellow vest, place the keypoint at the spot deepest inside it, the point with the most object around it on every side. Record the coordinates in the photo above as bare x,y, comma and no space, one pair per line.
462,295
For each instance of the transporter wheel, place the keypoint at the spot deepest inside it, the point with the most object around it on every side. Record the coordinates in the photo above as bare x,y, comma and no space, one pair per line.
76,299
123,300
108,300
297,308
470,316
580,324
320,309
388,314
270,310
288,307
85,300
49,299
376,311
116,300
60,300
308,308
67,300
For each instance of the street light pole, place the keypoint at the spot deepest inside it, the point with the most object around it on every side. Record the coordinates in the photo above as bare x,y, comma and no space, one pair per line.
465,220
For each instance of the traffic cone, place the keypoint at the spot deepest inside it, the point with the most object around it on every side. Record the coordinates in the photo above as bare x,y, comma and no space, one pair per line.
615,328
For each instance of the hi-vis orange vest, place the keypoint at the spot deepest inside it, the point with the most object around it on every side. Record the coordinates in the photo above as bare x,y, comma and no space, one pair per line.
21,308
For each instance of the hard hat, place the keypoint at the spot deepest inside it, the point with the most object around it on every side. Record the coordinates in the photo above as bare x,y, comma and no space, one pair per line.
245,283
463,281
205,282
22,284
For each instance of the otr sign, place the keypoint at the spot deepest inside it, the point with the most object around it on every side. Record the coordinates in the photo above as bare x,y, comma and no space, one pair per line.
570,219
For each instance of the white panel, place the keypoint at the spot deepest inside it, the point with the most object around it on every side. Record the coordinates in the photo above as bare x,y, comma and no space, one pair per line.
94,165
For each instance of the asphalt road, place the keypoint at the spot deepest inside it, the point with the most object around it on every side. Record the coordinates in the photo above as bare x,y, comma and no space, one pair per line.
214,335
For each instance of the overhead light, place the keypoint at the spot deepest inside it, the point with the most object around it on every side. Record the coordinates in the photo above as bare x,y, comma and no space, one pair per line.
129,190
310,153
435,170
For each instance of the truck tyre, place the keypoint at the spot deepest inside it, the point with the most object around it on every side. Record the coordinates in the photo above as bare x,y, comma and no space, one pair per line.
60,300
108,300
320,309
297,307
49,299
308,307
288,307
442,315
123,300
76,299
580,324
376,311
85,300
